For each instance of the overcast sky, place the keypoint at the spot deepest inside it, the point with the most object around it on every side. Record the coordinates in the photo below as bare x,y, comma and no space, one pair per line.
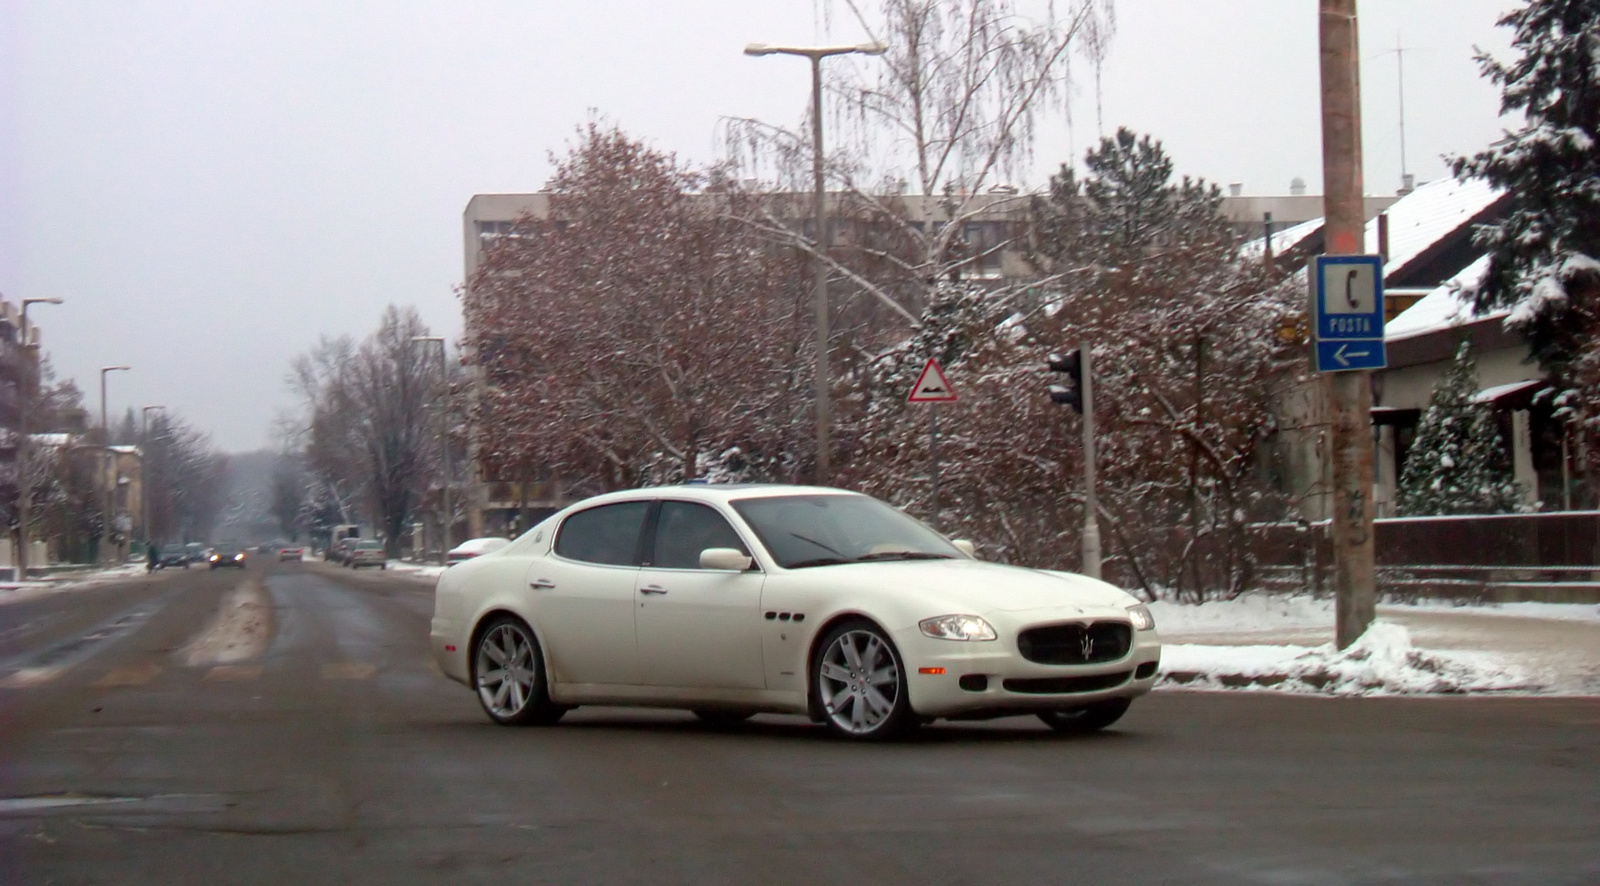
213,185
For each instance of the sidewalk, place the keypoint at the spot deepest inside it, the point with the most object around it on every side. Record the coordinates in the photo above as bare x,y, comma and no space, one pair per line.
1279,643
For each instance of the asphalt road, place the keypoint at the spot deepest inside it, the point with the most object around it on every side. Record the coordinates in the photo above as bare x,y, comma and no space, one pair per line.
339,755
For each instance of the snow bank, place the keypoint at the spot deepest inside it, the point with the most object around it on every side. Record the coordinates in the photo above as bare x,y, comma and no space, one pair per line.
1250,613
1382,662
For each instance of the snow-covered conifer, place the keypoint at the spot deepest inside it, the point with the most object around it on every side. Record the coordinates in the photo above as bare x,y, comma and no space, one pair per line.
1458,464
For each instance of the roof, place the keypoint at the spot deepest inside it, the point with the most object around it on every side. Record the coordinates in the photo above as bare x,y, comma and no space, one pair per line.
1424,217
1445,306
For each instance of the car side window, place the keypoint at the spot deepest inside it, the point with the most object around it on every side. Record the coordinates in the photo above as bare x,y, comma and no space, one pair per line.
608,534
684,529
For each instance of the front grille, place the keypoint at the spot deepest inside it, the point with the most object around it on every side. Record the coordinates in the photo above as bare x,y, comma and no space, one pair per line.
1066,685
1074,643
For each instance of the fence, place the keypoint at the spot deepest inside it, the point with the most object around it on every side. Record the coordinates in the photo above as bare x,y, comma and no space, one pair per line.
1552,556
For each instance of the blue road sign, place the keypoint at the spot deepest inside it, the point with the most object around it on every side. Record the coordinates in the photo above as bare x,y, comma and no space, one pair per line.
1347,304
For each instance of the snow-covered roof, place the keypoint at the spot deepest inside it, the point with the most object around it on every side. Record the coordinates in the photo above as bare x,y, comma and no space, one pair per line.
1284,240
1489,395
1425,216
1448,304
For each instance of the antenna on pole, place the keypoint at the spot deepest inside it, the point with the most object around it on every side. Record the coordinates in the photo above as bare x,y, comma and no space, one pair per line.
1407,180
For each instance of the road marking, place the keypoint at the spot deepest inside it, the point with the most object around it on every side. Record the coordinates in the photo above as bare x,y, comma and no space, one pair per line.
29,677
233,673
129,675
349,670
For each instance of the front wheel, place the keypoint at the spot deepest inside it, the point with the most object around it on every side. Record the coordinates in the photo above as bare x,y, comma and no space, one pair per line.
509,673
1092,718
859,684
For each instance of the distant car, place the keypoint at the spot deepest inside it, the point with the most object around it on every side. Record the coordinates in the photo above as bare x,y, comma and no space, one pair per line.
475,547
174,556
227,555
290,553
367,552
340,549
197,552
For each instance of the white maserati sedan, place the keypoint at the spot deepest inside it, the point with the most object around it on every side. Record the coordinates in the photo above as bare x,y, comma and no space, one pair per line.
731,600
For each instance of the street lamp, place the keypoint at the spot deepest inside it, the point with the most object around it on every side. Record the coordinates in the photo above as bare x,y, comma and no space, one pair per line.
24,477
819,263
144,477
444,444
108,466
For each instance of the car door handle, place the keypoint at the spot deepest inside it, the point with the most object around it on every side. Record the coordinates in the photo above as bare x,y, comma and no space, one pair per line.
652,589
541,584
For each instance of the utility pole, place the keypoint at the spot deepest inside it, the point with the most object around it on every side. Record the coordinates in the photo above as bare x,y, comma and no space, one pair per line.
1349,394
30,392
447,519
1091,500
819,258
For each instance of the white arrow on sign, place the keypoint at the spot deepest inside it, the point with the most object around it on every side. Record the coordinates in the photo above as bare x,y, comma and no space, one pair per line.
1340,355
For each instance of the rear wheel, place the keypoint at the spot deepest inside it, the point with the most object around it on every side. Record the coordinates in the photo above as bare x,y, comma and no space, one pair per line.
509,673
859,684
1092,718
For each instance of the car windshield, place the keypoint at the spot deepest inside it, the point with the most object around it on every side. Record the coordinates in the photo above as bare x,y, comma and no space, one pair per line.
172,550
821,530
226,550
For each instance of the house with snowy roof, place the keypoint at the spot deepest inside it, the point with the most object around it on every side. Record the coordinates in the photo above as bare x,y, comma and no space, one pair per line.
1431,269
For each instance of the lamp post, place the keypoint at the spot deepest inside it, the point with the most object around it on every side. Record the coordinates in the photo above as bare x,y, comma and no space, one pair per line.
24,476
108,462
144,477
816,54
444,444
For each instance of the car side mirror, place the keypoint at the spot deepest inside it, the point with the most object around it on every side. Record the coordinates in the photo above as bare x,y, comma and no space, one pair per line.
731,559
965,547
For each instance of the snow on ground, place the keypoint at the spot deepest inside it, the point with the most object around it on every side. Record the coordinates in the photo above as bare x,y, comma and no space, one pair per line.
1383,662
429,571
1284,643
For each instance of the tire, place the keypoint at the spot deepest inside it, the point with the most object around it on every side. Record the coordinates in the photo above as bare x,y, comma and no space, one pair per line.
508,671
1081,721
858,682
384,567
723,718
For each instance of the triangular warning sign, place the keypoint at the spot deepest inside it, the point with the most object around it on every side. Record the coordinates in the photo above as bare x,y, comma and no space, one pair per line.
932,386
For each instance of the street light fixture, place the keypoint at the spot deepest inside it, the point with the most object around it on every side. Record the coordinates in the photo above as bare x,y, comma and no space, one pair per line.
144,477
447,521
816,54
108,465
24,477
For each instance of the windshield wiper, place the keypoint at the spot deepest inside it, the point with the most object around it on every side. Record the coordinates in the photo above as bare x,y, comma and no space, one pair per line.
902,555
818,561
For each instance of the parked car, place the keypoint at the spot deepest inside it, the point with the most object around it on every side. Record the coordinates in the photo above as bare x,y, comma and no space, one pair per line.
173,556
288,552
339,548
474,547
198,553
790,599
366,552
226,555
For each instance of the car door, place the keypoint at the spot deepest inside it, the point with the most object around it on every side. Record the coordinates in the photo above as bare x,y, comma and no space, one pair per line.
697,628
583,595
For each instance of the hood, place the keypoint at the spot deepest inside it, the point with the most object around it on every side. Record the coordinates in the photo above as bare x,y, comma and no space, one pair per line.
990,587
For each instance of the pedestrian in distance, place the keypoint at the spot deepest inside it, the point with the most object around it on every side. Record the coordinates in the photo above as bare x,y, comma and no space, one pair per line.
154,551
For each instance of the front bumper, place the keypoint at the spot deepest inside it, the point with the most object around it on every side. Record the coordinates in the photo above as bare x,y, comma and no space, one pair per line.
989,665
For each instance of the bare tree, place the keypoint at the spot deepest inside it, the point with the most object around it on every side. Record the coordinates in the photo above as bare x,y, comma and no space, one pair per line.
638,325
365,415
932,137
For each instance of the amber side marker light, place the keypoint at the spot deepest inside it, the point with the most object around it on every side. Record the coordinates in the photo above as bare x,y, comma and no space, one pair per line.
930,670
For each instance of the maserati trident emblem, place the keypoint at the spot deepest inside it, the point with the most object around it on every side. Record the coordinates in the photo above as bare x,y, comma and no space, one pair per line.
1087,645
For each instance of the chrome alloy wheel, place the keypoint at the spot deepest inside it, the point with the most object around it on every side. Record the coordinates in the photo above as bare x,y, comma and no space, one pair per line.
507,669
859,678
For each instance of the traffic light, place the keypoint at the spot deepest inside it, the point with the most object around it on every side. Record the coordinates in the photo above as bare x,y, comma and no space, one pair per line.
1072,364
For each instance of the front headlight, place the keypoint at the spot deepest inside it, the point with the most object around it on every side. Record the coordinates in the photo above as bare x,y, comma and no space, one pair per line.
1141,617
956,627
